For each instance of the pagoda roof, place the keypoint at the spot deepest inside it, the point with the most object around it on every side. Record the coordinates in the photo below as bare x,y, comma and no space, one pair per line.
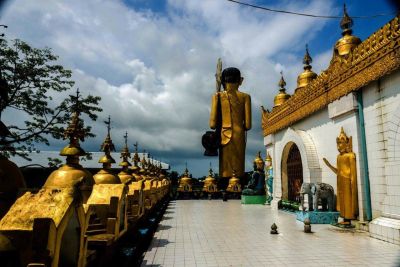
374,58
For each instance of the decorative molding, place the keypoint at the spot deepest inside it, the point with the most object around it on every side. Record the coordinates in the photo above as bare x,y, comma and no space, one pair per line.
377,56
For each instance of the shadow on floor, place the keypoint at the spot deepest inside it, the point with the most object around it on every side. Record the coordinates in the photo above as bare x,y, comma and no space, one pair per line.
164,227
159,243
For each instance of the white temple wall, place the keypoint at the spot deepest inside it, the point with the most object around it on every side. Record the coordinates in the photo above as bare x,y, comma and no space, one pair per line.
322,132
382,122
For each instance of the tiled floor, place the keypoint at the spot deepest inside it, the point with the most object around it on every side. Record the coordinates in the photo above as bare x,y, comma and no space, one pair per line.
217,233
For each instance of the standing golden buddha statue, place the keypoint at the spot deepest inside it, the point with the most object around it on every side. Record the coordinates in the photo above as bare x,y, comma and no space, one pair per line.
231,117
346,171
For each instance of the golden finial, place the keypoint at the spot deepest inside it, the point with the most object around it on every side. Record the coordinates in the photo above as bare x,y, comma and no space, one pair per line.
210,171
282,83
125,154
143,161
282,96
307,59
186,173
74,131
107,146
136,158
268,157
258,158
347,22
347,43
307,75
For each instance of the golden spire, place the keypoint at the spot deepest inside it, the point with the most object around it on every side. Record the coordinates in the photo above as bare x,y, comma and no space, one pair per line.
282,96
135,159
107,147
258,158
105,176
268,157
74,133
307,75
347,43
124,175
210,171
186,173
347,22
72,173
125,154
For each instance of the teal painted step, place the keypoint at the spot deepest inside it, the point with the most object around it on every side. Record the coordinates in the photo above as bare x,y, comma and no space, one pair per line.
318,217
254,199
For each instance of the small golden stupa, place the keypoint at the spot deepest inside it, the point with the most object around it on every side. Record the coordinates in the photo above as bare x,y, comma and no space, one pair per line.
125,175
72,173
348,42
234,184
105,176
307,75
210,183
282,96
185,183
143,167
135,169
161,173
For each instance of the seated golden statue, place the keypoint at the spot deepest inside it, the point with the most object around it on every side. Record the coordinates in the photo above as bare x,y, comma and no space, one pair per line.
210,183
234,185
346,171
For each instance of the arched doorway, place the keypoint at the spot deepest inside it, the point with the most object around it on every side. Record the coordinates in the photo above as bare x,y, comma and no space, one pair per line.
294,173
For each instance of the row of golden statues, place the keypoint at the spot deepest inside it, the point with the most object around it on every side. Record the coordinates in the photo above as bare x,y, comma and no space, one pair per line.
76,214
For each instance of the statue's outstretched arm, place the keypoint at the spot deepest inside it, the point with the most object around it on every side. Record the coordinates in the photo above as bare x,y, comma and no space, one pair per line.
330,166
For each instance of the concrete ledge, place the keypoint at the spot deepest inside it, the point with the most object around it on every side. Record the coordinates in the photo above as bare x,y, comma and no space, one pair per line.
385,229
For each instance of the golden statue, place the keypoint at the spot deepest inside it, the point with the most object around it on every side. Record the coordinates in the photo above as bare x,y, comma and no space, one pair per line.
231,117
346,171
234,185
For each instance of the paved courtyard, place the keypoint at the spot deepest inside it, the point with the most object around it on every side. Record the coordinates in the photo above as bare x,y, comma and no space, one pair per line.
217,233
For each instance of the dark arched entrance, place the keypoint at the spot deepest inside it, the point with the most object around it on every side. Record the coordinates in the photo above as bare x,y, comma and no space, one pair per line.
294,173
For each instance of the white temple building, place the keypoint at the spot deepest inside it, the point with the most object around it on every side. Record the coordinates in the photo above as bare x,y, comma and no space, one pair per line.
359,91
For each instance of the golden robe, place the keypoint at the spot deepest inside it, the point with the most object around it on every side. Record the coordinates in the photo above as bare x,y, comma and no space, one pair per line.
347,192
231,112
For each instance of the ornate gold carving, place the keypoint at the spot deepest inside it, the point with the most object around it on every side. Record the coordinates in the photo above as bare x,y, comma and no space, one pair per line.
375,57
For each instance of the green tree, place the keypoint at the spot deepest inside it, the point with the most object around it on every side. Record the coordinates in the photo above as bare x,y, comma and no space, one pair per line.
32,83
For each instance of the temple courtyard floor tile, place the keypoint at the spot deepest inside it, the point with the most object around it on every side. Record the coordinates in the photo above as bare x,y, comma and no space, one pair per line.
217,233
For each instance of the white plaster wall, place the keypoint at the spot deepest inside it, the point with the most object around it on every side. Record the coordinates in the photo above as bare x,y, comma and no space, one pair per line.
382,123
323,132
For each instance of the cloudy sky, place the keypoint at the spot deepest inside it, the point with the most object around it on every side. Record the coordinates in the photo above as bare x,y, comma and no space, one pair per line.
153,61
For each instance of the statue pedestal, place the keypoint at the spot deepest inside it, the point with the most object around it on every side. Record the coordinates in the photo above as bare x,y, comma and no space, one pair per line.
318,217
260,199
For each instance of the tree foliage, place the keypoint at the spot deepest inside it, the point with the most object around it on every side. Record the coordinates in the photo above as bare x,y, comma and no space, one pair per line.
32,85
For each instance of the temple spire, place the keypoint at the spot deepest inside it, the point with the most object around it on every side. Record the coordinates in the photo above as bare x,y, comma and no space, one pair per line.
347,22
307,75
74,133
125,154
282,96
107,146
